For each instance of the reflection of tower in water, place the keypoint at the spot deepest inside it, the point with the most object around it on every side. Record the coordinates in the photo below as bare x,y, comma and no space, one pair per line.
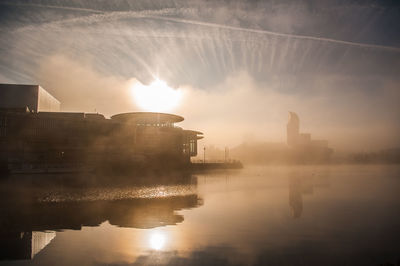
295,197
303,185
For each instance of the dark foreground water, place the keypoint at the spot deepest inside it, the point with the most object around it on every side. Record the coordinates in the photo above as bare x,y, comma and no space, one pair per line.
314,215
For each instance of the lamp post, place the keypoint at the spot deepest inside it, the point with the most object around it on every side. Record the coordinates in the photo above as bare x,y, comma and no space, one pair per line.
204,154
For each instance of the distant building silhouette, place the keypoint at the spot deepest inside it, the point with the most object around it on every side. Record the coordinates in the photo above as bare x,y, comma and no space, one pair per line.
299,148
295,138
293,129
303,148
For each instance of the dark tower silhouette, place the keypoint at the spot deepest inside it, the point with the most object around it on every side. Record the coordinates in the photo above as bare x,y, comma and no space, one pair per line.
293,129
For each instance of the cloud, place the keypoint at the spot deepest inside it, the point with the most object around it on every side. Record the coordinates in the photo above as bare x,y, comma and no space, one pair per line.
242,65
81,89
337,108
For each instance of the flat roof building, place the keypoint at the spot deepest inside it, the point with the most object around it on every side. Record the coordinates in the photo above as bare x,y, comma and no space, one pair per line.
33,133
34,97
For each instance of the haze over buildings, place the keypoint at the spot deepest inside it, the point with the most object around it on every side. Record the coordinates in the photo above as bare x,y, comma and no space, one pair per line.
336,63
35,136
296,139
299,148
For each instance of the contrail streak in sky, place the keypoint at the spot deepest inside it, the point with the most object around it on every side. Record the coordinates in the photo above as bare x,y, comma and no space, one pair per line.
54,7
220,26
304,37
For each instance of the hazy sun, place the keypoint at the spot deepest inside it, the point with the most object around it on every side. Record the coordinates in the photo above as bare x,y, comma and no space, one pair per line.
157,240
156,97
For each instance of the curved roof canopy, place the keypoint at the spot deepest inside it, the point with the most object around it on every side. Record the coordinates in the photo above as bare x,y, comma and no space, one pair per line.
148,118
195,133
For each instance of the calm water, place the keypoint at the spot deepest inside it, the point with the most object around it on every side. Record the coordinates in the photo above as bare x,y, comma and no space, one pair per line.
314,215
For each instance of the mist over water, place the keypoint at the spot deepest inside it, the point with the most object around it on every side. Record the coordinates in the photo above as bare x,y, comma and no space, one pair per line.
279,215
81,190
241,66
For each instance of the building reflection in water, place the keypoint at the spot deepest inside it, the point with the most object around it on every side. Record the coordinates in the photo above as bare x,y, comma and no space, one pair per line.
23,245
30,217
304,185
295,197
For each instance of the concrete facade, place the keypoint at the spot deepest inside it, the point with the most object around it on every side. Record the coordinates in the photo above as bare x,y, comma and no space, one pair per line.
34,97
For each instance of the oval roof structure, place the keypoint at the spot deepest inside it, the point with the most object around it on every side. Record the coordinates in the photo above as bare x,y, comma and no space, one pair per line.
147,118
193,132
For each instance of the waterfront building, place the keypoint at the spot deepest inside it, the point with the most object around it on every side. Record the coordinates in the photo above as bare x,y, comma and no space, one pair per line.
34,139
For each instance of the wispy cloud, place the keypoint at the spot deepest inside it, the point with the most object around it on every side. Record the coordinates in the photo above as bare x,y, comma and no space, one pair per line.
164,13
249,63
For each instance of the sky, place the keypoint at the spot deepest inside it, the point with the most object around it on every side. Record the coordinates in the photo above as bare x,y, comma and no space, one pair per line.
239,65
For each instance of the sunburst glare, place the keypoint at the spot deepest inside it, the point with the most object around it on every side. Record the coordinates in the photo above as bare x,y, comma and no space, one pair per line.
156,97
